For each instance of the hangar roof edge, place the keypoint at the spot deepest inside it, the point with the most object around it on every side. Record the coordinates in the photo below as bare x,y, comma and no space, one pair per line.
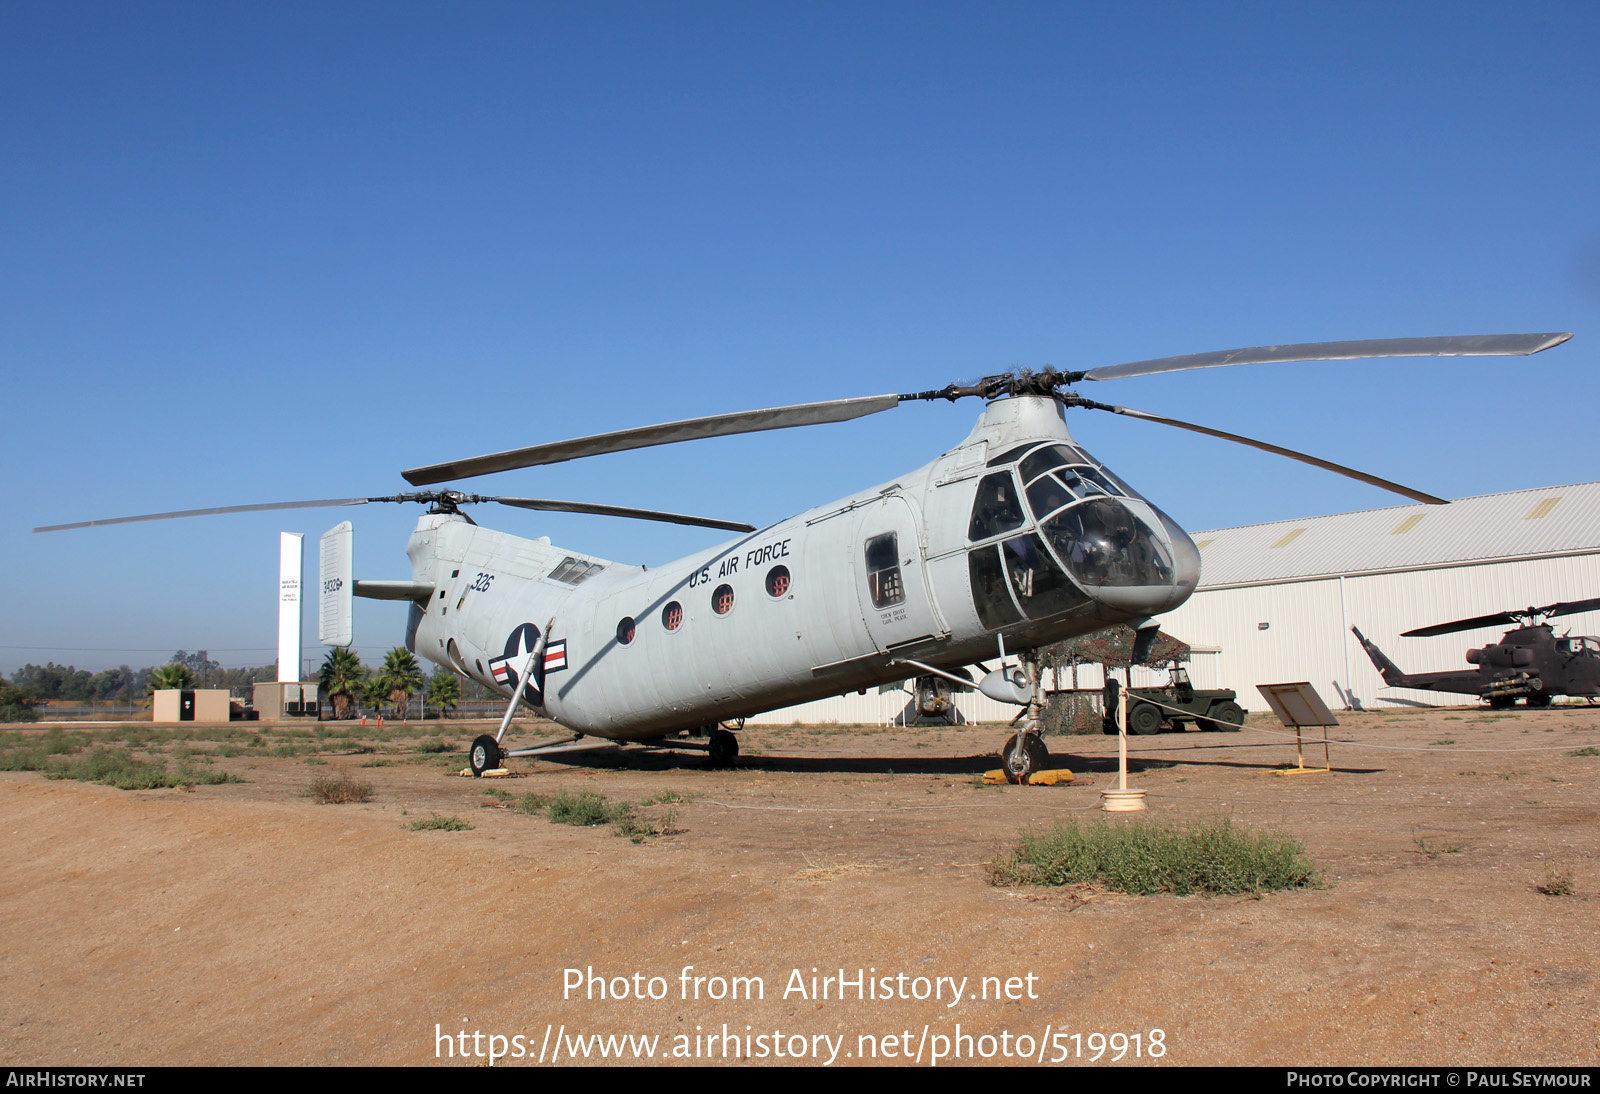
1517,523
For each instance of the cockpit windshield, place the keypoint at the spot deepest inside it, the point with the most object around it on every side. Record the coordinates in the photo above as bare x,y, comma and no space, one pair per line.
1102,542
1093,529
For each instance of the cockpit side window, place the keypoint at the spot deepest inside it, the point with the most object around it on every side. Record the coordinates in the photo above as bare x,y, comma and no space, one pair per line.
1037,582
996,508
883,570
989,596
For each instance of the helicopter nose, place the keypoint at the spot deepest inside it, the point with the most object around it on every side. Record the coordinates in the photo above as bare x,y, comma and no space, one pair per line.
1180,577
1142,600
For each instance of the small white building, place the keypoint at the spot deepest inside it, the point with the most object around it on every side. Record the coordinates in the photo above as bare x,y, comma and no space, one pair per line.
1277,601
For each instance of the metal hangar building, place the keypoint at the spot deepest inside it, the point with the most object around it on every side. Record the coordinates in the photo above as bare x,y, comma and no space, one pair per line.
1276,601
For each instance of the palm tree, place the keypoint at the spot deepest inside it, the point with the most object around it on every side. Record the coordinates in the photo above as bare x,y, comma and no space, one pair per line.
169,676
373,691
402,678
444,690
342,672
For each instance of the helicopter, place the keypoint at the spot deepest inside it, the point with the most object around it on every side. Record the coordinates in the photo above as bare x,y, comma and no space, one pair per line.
1013,539
1529,662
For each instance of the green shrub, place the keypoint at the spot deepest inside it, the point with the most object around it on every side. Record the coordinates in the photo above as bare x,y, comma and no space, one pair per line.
1144,857
580,809
435,823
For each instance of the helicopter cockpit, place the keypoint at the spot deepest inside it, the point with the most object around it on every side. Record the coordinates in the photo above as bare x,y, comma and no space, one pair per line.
1573,644
1052,528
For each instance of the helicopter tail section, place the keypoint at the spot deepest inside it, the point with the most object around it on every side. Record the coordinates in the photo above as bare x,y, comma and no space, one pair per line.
1392,675
337,587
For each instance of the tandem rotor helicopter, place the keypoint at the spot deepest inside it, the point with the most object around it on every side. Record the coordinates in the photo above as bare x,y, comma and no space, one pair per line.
1011,540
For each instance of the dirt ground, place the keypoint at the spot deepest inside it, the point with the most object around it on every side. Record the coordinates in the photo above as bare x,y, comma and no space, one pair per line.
244,923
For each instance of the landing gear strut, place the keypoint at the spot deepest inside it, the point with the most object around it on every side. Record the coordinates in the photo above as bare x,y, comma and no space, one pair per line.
1025,752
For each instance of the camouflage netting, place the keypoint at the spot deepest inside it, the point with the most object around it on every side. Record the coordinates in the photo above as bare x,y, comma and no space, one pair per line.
1112,648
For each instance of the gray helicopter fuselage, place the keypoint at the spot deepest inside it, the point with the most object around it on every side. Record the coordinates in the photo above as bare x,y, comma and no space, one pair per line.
1015,534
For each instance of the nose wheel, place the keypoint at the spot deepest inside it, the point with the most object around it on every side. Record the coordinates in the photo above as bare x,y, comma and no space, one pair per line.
1023,755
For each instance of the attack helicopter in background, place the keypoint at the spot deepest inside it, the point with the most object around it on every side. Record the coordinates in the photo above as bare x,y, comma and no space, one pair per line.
1011,540
1529,663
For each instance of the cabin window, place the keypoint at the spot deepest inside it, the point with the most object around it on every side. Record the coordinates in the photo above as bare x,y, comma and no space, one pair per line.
672,616
997,508
625,631
778,582
883,570
722,600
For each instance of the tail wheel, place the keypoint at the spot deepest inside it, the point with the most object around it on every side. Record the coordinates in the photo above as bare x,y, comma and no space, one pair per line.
485,755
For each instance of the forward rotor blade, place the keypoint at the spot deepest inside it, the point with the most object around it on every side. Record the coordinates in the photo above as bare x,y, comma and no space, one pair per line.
1498,619
622,511
1466,345
1326,465
325,503
718,425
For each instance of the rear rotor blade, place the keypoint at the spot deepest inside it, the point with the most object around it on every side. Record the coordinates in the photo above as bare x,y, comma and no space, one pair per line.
1467,345
1326,465
622,511
325,503
718,425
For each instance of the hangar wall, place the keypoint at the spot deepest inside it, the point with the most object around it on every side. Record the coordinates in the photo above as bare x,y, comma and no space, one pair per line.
1279,599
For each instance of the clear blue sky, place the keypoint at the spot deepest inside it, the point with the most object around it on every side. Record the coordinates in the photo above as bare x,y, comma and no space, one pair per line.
282,251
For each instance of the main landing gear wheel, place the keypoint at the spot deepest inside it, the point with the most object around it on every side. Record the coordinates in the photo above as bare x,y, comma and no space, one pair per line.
1019,764
485,755
724,748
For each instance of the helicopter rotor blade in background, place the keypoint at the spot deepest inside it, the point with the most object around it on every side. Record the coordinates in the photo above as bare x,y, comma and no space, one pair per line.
717,425
1506,619
622,511
325,503
1468,345
1498,619
1570,607
1326,465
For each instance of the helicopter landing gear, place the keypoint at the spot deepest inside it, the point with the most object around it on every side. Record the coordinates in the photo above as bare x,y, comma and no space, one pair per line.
1025,752
1019,763
1502,702
724,748
485,755
1538,699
